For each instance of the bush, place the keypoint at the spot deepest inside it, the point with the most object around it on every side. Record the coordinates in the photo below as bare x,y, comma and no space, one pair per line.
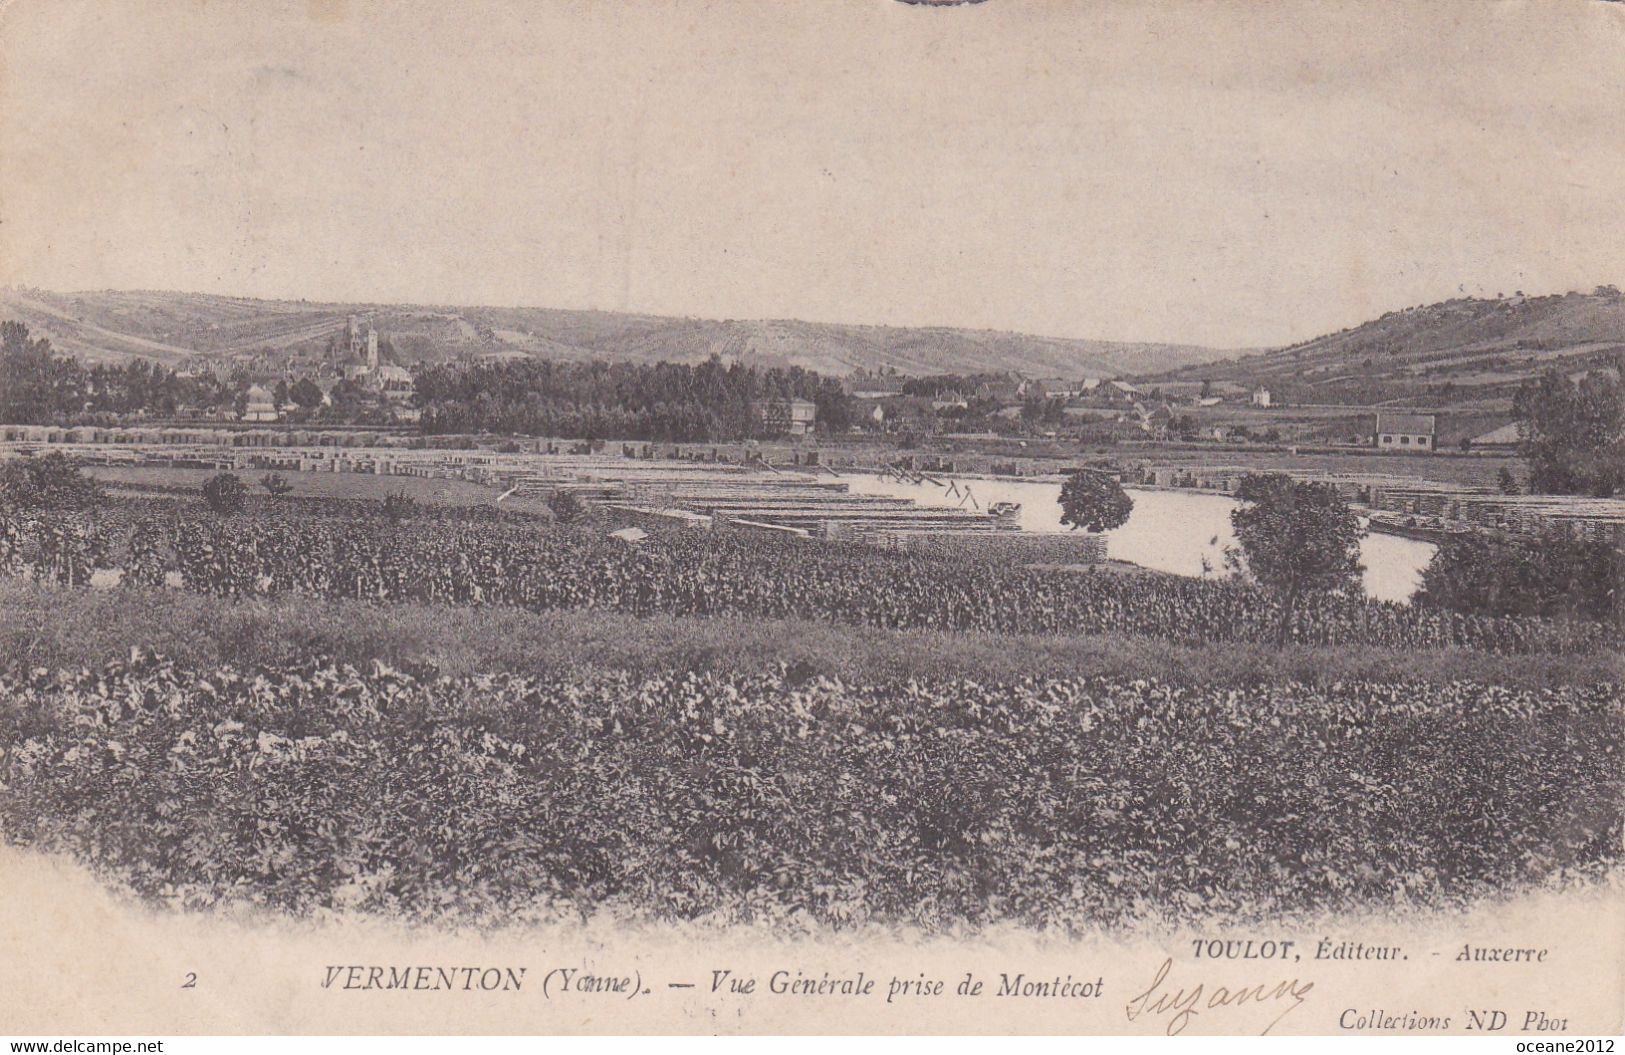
46,481
225,493
566,507
1554,576
400,506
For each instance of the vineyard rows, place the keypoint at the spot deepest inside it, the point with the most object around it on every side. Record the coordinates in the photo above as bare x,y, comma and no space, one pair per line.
454,560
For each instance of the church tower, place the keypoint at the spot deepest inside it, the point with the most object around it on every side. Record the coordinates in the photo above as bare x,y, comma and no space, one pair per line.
372,349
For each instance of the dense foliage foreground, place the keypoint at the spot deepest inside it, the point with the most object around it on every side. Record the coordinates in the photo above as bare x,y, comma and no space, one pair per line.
1057,802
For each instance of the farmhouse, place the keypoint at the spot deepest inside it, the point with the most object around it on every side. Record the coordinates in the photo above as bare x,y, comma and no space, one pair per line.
1405,432
1005,391
1113,392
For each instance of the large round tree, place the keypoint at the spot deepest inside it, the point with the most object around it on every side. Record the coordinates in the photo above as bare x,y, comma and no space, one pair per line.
1094,501
1296,537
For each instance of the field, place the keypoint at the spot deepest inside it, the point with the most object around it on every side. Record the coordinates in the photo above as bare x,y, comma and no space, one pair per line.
314,485
479,717
1056,804
1463,353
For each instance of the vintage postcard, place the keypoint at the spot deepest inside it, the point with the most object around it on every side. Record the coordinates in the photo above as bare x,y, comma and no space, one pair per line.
857,516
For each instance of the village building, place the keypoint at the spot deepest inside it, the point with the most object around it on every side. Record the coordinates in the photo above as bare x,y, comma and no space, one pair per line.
391,381
1406,432
1003,391
785,417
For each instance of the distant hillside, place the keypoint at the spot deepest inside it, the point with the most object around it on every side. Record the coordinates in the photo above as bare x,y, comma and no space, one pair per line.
1471,352
171,327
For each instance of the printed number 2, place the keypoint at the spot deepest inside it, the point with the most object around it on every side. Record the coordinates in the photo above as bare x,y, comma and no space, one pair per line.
191,980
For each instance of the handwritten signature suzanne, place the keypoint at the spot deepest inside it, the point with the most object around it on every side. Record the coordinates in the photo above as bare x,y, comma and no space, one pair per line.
1183,1005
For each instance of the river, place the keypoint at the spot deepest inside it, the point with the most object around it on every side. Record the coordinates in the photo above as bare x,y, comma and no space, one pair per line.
1172,531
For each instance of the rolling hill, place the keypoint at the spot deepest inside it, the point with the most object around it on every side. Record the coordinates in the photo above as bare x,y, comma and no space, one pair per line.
1464,353
172,327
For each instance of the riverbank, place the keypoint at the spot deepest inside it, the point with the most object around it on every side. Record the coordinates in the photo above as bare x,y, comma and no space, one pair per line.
1180,531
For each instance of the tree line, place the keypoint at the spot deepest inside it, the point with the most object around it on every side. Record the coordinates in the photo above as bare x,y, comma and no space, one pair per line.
1572,431
676,402
39,387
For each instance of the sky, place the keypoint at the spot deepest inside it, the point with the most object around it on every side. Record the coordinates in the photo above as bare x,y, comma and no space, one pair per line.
1233,174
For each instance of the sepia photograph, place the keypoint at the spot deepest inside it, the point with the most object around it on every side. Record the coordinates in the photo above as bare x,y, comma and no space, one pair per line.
883,517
